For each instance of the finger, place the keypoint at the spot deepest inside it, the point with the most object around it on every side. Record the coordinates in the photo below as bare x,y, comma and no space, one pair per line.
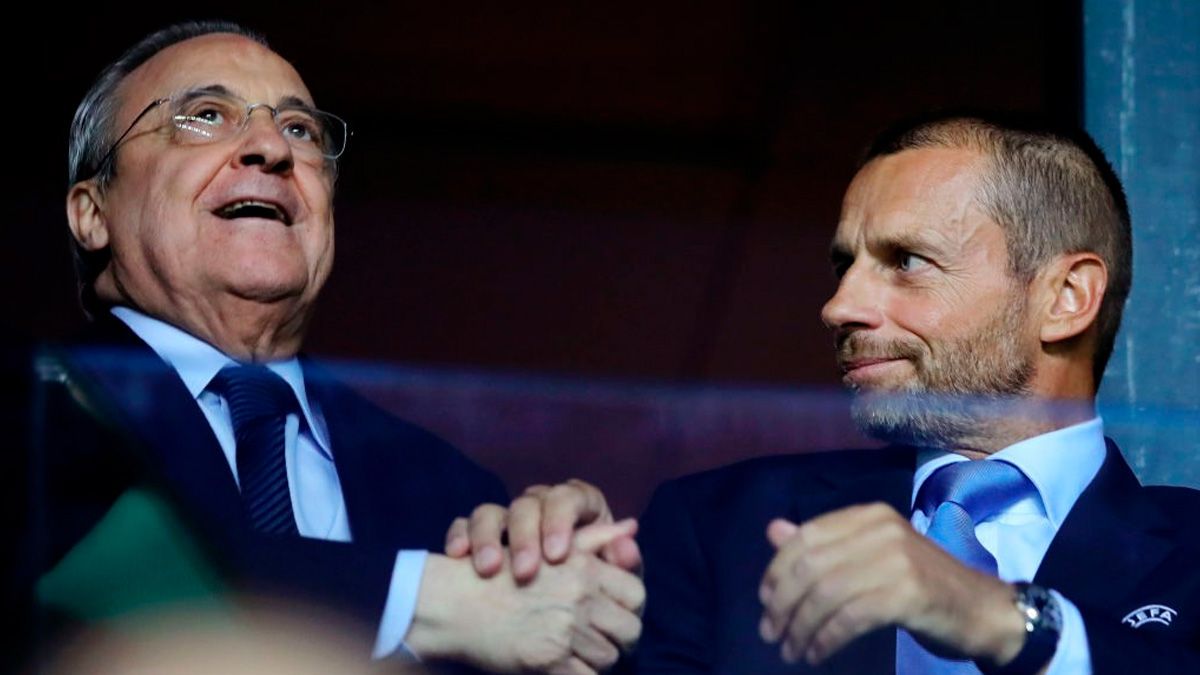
566,507
457,543
834,574
484,531
790,588
621,626
855,618
572,666
537,490
625,588
780,530
525,536
837,525
591,647
592,538
624,553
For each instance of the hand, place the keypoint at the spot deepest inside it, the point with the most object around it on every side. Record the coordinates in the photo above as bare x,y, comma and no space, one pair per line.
540,523
848,572
575,618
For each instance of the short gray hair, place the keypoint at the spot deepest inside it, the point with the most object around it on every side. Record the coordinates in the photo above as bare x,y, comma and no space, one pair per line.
92,131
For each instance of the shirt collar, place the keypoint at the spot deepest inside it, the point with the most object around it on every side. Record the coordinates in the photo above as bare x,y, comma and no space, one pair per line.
198,362
1060,464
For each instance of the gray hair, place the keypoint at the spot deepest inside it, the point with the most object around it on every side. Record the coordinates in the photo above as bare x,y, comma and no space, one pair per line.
92,131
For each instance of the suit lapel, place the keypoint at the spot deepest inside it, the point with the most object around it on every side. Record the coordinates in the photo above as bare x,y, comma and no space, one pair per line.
1117,530
385,487
124,377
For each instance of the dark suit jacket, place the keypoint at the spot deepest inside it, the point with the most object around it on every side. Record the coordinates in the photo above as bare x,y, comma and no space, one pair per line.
114,415
1121,548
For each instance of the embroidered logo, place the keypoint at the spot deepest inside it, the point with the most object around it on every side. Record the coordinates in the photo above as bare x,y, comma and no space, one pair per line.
1149,614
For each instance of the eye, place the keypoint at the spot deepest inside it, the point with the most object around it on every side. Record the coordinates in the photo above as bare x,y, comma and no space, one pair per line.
211,116
298,126
203,116
911,262
841,263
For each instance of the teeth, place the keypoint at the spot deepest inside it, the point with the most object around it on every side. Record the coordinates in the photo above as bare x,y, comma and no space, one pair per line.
252,208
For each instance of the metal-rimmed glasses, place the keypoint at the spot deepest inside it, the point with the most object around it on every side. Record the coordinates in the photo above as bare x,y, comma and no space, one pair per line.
212,114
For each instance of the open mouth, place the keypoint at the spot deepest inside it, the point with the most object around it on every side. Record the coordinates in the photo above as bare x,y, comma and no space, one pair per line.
248,208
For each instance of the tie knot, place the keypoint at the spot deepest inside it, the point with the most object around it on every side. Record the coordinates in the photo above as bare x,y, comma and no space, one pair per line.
254,392
981,487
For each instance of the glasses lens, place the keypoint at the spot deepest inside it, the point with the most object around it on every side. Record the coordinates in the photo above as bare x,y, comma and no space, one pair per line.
208,117
312,131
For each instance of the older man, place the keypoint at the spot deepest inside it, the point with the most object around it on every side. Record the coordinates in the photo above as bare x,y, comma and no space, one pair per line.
200,204
982,272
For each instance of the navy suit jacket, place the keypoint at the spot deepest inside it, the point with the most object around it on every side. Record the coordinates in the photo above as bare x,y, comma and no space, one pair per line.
1121,548
115,415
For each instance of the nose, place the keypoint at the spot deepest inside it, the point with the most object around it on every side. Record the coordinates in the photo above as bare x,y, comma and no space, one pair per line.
855,304
263,145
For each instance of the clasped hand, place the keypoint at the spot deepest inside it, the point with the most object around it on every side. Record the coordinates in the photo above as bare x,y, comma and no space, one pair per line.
843,574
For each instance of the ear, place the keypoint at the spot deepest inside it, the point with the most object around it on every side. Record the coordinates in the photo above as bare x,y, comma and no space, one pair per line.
1074,285
85,215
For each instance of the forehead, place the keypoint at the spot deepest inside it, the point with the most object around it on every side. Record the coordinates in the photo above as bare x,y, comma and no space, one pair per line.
239,64
926,192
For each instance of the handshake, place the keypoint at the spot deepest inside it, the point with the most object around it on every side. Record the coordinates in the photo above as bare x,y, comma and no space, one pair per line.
564,597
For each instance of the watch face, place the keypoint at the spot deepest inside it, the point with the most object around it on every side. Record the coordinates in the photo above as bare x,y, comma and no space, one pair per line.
1040,608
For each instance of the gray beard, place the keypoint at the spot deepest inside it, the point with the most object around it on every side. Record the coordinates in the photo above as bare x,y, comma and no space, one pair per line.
960,395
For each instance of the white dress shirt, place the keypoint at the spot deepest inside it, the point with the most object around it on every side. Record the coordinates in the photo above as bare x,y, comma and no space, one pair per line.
317,500
1060,465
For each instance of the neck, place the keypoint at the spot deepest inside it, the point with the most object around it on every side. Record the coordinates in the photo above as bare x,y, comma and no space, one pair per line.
246,330
1011,422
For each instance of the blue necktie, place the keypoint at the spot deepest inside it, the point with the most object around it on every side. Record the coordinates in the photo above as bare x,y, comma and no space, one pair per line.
957,497
259,402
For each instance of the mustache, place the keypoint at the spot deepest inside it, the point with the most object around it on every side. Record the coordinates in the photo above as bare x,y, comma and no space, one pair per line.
855,346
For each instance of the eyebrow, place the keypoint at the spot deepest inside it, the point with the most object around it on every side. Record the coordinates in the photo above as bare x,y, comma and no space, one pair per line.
839,252
286,101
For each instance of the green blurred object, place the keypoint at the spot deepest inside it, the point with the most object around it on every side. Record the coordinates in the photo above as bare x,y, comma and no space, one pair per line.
140,556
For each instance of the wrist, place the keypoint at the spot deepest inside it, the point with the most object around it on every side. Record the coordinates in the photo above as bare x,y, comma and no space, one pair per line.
1005,636
1041,625
434,632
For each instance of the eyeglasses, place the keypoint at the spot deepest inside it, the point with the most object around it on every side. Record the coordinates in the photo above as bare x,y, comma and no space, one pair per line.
210,116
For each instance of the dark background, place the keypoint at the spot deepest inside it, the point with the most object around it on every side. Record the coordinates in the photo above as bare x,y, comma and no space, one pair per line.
624,189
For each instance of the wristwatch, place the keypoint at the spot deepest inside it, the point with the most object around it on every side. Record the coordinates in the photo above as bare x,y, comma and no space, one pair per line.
1043,624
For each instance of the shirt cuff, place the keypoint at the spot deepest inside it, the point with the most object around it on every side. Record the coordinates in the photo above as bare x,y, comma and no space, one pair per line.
400,605
1072,656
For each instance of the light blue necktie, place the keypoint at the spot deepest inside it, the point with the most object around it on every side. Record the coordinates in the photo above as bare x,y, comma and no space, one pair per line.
259,402
957,497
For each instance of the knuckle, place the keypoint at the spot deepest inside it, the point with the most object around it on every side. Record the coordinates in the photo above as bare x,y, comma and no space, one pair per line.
536,490
806,534
894,530
637,595
802,567
561,492
486,513
525,502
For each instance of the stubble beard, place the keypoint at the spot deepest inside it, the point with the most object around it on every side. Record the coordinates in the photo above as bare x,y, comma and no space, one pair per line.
960,394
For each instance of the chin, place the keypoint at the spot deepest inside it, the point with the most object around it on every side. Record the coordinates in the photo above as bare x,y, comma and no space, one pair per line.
910,416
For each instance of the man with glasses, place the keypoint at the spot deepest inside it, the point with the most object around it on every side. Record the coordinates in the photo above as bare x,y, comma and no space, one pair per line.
200,209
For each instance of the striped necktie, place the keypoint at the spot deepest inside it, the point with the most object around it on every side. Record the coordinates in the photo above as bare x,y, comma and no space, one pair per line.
259,402
956,498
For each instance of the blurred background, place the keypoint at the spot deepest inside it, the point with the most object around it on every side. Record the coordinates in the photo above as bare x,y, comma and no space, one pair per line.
627,189
544,201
